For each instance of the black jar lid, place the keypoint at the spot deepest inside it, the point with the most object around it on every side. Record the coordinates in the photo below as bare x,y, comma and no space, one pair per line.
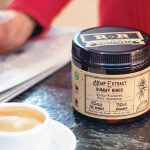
111,46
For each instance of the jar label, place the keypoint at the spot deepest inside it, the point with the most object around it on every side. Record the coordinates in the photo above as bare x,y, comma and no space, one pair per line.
112,38
110,96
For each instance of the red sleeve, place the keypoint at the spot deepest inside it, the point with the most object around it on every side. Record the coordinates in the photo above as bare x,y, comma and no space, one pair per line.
43,11
129,13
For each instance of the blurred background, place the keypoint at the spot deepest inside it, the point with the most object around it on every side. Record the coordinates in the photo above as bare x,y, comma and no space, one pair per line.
79,13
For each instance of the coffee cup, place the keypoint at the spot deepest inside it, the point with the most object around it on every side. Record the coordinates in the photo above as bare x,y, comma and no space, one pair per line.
24,127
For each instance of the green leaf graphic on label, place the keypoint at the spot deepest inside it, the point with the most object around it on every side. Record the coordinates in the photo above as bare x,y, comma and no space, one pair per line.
76,75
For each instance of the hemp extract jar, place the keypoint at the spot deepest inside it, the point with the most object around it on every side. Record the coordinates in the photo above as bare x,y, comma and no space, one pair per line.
111,74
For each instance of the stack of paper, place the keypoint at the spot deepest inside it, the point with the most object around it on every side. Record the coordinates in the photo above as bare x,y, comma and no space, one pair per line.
34,62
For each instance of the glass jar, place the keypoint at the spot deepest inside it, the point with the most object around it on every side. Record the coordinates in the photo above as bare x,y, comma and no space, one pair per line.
110,73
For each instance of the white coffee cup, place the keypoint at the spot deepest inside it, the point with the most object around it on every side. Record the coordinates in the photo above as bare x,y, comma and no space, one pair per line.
24,127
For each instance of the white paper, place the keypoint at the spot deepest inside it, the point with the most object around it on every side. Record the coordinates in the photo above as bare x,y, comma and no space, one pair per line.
37,60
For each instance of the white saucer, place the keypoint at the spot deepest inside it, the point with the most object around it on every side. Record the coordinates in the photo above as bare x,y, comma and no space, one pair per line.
62,137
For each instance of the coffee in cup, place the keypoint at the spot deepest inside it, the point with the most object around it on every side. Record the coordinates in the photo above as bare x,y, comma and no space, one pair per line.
23,127
15,119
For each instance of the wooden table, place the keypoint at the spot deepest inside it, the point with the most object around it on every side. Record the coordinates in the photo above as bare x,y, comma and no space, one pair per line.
54,94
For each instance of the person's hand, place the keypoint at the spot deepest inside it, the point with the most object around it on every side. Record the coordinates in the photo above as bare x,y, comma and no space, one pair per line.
15,29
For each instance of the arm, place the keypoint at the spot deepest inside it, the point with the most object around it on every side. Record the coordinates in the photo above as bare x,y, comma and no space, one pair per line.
43,11
129,13
23,17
